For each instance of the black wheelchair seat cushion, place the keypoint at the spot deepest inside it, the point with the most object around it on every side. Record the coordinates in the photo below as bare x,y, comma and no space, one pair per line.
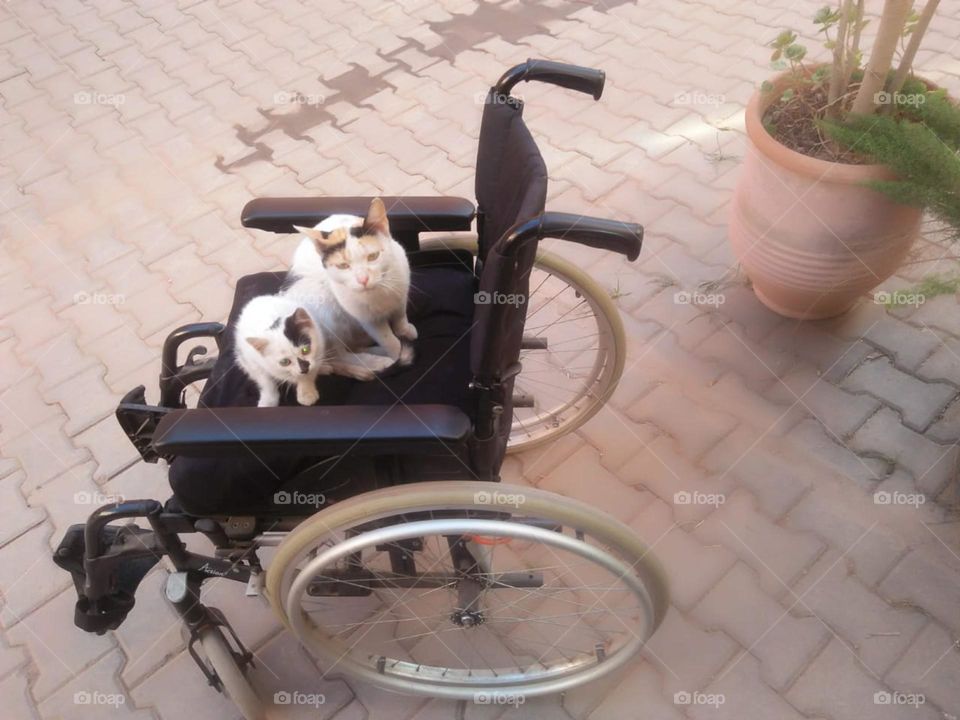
440,306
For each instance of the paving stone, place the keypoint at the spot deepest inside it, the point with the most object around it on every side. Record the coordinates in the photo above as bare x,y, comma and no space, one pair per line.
838,684
769,630
691,567
768,466
621,702
841,413
928,668
740,692
931,465
94,693
581,477
777,554
908,346
667,408
45,452
17,516
917,401
287,668
15,695
686,655
615,437
876,631
59,654
23,584
929,578
84,398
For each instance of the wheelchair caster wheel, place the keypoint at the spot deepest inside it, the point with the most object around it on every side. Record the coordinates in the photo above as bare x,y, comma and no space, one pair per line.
232,679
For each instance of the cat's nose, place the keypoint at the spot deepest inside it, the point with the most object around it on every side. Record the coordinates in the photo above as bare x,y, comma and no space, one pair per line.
363,279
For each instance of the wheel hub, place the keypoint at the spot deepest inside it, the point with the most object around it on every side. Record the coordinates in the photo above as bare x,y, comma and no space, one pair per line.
467,618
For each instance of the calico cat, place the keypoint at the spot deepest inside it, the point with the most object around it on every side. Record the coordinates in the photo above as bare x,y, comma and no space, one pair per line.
279,342
361,276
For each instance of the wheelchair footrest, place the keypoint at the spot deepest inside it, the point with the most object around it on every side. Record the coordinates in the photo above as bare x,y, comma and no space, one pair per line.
119,572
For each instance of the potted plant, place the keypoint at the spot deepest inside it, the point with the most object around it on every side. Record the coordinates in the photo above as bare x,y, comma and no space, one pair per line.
810,223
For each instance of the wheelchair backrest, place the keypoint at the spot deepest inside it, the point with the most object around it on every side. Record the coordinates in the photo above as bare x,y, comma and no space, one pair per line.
511,188
511,179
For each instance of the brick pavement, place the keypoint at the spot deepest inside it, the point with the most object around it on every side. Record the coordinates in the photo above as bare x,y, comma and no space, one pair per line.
134,131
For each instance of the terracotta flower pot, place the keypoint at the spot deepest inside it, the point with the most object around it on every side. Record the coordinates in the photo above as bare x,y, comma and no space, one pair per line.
807,232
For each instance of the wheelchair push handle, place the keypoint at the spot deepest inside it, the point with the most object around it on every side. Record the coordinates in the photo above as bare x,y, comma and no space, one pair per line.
621,237
573,77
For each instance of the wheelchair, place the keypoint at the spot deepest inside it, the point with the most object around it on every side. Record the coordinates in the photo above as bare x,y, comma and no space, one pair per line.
374,522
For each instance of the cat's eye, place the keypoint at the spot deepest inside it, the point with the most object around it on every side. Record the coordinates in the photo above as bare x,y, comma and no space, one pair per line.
343,266
373,256
284,362
304,349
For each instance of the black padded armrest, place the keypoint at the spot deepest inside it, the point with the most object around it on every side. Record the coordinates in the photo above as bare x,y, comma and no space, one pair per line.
406,214
317,430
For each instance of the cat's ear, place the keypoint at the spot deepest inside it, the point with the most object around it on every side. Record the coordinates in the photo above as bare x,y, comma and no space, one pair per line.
258,343
321,239
376,220
300,320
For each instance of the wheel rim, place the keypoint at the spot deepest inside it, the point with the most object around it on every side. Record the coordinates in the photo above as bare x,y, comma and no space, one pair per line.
564,406
574,375
583,660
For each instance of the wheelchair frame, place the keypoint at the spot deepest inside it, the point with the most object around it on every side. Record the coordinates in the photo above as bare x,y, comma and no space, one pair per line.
108,562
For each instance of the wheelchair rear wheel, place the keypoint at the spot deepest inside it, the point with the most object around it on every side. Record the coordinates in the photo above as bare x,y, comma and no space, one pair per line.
467,589
574,350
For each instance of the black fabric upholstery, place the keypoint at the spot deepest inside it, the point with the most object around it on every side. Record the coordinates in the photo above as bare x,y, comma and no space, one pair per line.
441,306
511,185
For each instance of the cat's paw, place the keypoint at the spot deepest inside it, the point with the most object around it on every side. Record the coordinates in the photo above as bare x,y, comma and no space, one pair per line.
406,354
376,363
268,400
307,394
407,331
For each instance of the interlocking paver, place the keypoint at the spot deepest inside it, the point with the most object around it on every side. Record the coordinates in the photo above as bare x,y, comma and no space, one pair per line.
838,683
876,631
929,668
927,577
919,402
778,555
769,630
140,202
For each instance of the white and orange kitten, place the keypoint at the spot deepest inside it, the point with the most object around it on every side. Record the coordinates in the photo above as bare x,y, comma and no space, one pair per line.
361,277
